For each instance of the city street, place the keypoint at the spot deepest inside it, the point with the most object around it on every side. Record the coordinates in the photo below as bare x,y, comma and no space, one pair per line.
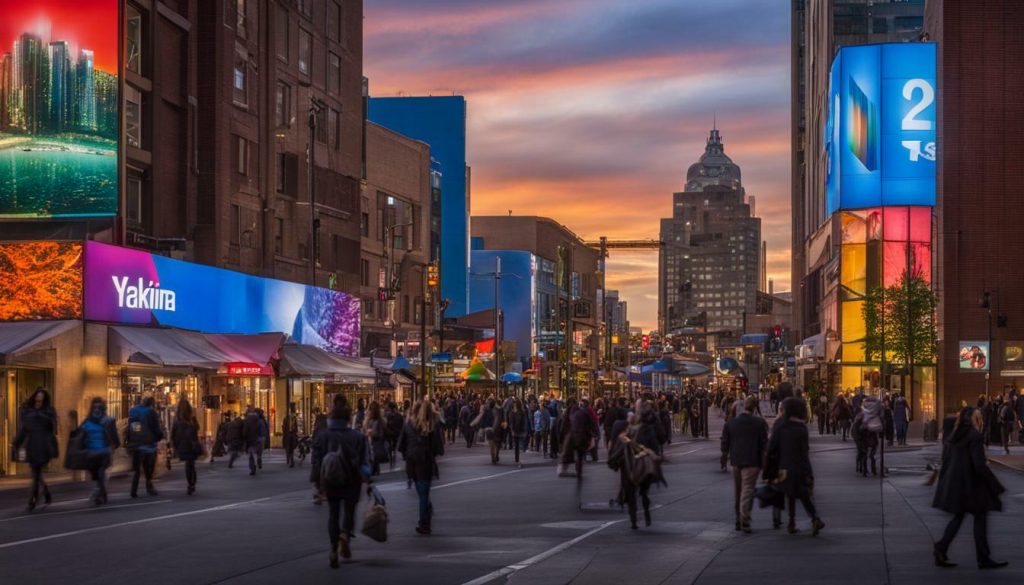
498,524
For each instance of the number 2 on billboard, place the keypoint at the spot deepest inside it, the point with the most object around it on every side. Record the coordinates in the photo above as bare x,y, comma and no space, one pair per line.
910,121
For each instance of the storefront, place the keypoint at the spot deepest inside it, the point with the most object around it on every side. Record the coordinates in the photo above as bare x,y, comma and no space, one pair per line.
312,377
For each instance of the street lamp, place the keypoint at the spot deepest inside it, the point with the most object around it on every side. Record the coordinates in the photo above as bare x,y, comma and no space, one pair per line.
986,303
316,105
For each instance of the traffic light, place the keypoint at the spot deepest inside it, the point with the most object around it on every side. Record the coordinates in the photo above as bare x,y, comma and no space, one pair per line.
433,275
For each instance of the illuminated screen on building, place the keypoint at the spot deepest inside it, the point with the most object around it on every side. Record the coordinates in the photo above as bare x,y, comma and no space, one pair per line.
40,281
880,134
59,108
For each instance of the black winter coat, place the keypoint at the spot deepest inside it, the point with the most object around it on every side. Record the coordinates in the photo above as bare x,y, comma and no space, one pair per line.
745,440
421,452
966,484
789,449
234,437
38,433
339,435
185,440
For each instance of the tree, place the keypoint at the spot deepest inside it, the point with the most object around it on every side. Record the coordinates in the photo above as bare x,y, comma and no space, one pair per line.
900,323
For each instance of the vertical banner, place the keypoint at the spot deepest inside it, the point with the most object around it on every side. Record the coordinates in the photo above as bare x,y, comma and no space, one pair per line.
59,108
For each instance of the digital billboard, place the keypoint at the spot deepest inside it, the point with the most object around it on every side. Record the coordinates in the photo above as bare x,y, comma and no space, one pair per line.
974,356
881,128
59,108
134,287
40,281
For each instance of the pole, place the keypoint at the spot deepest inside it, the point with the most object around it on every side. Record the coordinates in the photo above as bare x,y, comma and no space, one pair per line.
311,191
423,336
497,327
988,374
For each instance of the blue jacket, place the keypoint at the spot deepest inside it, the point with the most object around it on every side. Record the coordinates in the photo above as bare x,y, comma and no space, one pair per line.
100,435
147,416
541,420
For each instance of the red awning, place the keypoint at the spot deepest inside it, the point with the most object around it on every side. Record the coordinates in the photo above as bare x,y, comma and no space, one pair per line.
485,346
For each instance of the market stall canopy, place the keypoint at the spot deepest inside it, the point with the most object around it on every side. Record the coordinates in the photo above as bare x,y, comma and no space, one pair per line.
399,364
177,348
21,336
512,378
477,371
300,361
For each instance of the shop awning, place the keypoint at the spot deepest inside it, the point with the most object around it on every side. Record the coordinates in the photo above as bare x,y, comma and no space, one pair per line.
177,348
300,361
22,336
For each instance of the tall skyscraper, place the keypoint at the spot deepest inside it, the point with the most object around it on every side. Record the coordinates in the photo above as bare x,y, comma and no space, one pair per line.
60,78
85,93
709,269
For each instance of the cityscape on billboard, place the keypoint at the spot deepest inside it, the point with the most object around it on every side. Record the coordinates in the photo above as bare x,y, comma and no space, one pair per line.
59,114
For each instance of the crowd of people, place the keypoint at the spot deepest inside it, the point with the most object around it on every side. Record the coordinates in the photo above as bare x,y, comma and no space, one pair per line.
351,444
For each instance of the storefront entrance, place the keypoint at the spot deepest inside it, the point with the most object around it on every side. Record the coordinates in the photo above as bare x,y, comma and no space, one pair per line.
16,385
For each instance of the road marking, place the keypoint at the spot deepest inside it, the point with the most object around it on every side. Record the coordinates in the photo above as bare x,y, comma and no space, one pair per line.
129,523
475,479
505,571
93,509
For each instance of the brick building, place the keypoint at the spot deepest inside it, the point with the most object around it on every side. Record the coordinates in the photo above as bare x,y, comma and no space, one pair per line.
980,240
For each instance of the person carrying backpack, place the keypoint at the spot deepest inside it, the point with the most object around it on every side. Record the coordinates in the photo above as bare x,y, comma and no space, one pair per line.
870,427
141,437
342,455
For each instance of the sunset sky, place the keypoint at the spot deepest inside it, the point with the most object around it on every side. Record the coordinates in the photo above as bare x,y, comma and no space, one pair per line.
590,111
85,24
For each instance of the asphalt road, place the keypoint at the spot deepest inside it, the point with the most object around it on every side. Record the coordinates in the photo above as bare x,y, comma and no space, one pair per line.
496,524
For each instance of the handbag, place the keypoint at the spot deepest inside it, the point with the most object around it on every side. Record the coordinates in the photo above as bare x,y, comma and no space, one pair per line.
76,456
375,520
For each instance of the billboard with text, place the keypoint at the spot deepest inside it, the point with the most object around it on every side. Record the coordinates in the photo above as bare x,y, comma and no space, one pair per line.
59,108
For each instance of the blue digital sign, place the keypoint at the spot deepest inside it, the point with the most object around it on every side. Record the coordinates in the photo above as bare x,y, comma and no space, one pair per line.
880,133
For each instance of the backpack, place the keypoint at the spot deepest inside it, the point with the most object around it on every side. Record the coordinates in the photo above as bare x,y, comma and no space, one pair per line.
1006,413
138,433
872,422
336,468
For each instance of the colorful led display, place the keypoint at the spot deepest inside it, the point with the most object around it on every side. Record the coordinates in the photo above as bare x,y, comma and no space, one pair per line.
134,287
974,356
880,133
40,281
59,108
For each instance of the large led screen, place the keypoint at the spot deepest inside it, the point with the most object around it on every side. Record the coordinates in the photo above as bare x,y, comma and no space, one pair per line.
59,114
880,133
134,287
40,281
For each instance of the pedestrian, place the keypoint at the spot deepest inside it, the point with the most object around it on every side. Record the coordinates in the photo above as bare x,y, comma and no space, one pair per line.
185,440
375,431
842,414
220,441
235,438
264,428
519,427
467,414
967,486
888,422
319,427
615,412
1008,422
745,441
868,427
252,436
495,426
141,436
361,414
900,418
451,419
394,422
580,436
341,453
290,435
422,444
822,411
37,435
646,431
101,441
789,463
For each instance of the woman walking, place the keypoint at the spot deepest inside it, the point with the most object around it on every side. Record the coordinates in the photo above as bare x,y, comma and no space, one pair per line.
519,427
645,431
967,486
494,425
101,441
789,461
422,444
38,436
185,439
376,433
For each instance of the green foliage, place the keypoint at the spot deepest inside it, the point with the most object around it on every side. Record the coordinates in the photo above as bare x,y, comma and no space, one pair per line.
900,322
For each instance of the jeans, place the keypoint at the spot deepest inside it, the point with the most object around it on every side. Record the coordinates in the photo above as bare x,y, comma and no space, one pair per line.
540,441
981,549
144,462
745,479
426,508
337,525
98,465
190,472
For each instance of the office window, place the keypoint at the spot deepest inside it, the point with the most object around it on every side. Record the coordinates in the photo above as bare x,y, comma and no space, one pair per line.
364,224
132,116
281,28
241,19
283,104
334,127
133,40
416,310
333,20
368,308
305,50
133,199
908,23
236,224
241,72
243,156
333,73
364,272
321,125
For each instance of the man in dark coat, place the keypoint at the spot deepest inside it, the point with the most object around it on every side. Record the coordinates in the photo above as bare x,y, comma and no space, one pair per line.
252,436
234,437
789,462
745,441
967,486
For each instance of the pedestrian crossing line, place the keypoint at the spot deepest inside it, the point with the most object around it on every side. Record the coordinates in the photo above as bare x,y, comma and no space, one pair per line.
90,509
129,523
475,479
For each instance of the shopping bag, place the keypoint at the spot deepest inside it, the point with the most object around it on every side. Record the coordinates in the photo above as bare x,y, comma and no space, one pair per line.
375,520
76,456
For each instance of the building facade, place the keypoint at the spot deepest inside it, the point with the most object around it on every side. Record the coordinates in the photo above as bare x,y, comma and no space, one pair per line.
710,264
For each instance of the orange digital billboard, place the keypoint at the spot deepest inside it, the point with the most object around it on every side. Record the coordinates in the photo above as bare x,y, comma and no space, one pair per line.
40,281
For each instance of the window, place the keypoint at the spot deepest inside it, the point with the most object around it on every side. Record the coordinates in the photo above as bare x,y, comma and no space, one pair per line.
333,73
333,20
278,235
364,224
241,19
133,200
321,125
133,41
281,28
287,173
243,156
368,308
236,224
908,23
305,51
283,105
364,272
334,127
405,309
241,75
416,310
132,116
